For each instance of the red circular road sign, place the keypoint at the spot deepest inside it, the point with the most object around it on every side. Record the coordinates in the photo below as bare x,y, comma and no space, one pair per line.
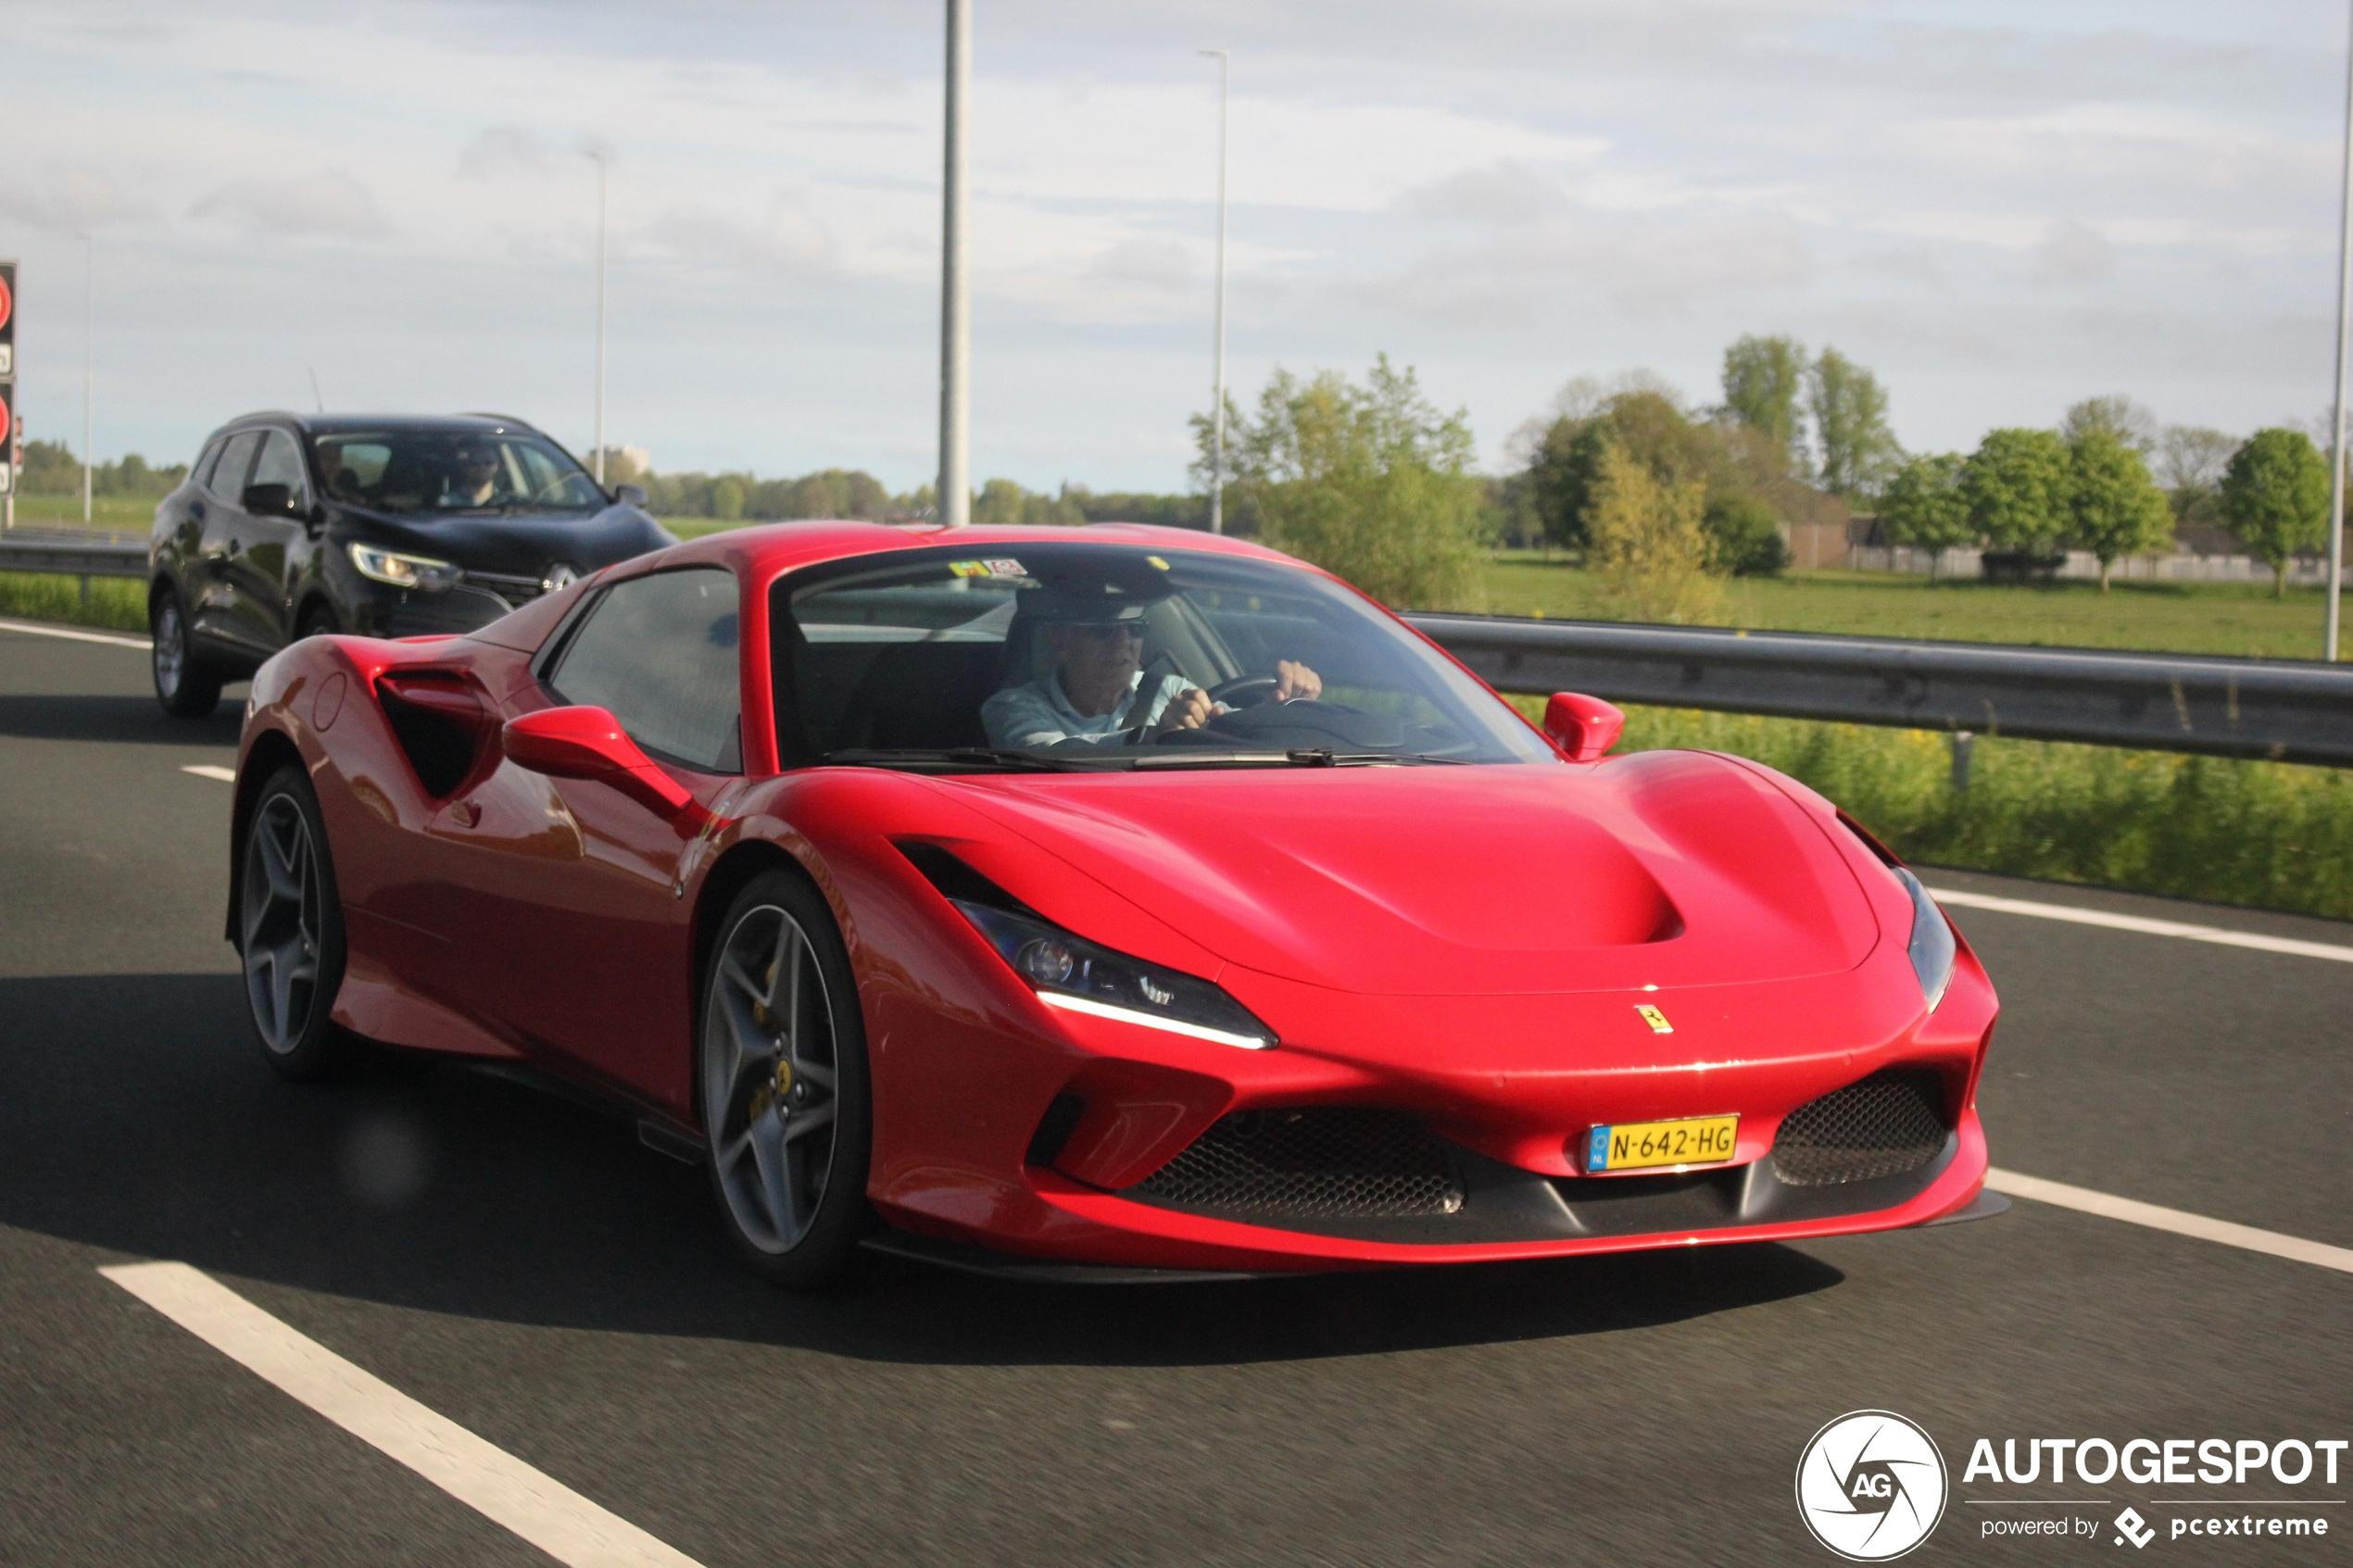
7,304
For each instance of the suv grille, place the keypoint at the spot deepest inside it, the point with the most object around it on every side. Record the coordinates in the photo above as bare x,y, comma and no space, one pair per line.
1888,1123
514,590
1324,1164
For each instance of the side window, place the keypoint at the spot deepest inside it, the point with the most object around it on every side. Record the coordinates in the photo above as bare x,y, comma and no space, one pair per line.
660,653
237,460
280,463
204,464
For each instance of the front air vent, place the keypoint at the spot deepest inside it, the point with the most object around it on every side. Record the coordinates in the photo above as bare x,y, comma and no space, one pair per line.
1333,1162
1887,1124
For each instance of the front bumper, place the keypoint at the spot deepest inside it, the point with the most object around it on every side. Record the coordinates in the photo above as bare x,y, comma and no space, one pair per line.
1509,1084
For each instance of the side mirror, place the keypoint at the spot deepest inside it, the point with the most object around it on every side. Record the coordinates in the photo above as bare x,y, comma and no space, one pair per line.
630,495
588,743
267,501
1583,727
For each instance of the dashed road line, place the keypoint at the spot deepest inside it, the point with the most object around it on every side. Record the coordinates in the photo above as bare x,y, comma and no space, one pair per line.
493,1482
2183,929
32,628
2107,1206
209,770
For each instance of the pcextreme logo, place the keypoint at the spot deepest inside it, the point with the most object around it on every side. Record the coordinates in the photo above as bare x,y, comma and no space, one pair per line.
1871,1485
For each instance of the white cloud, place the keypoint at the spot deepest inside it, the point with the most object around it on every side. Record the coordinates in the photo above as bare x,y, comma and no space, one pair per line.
73,197
503,150
327,202
2074,253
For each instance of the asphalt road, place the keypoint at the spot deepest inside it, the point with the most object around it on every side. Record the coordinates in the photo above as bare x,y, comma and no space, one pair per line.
522,1266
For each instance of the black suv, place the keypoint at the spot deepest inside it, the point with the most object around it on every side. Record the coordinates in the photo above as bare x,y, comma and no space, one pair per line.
389,526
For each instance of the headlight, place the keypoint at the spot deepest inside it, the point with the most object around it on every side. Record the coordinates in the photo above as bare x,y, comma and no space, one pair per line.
406,571
1933,950
1071,972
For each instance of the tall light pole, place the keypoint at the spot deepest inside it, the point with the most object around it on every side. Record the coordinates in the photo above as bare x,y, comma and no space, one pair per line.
2344,322
89,359
955,297
1217,395
603,164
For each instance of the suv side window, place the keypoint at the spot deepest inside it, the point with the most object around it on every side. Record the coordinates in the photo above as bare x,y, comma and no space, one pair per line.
660,653
229,475
280,463
202,472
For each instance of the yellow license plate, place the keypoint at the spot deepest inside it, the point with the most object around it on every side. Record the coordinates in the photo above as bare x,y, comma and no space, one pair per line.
1647,1145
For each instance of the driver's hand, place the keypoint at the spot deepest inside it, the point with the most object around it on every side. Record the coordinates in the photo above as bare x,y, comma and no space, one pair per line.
1296,682
1188,709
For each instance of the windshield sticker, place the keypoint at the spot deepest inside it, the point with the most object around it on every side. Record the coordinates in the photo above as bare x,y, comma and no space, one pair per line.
1000,568
1155,560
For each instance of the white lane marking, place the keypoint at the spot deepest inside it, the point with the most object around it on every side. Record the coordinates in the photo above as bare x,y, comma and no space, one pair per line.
206,771
2214,934
2174,1220
28,627
540,1508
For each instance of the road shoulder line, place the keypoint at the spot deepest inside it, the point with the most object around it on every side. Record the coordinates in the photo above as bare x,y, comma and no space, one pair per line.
35,630
2183,929
2179,1222
493,1482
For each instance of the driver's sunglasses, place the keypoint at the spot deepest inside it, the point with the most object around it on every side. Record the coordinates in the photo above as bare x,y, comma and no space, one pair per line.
1104,634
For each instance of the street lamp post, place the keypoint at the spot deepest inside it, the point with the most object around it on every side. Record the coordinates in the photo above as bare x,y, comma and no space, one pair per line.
954,507
89,360
2344,322
603,163
1218,392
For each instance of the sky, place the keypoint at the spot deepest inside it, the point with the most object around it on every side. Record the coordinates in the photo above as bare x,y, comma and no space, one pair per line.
1999,208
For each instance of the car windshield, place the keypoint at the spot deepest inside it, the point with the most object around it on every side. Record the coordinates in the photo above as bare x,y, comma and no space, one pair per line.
428,471
1092,656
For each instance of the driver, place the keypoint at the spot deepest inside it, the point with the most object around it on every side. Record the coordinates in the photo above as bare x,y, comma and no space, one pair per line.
1096,693
473,474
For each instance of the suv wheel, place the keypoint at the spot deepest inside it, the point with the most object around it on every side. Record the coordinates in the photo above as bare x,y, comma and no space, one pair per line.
187,687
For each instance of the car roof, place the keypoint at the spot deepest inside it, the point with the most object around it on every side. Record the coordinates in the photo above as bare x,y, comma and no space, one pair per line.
335,424
763,552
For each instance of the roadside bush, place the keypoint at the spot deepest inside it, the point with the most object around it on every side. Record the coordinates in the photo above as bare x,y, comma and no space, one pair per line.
1743,538
1647,544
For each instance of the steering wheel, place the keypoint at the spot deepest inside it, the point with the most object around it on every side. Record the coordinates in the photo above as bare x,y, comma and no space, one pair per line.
1251,690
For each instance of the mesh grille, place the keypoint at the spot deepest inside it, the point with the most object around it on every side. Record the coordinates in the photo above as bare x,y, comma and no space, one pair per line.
1331,1163
1888,1123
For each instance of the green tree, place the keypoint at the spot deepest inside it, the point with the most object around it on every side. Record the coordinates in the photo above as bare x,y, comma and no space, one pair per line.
2276,497
2118,416
1850,426
1369,481
1561,475
1743,537
2190,460
1763,382
727,498
2116,508
2016,487
1649,545
1924,507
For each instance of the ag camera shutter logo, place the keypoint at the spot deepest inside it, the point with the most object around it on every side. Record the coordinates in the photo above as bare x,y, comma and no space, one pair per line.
1871,1485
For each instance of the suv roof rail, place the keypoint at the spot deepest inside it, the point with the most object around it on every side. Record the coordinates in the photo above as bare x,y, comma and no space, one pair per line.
502,419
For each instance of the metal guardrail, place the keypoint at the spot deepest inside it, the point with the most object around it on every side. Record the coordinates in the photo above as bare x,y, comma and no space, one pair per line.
2280,709
72,555
2275,709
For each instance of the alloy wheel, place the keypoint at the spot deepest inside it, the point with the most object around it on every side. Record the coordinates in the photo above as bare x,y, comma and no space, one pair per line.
280,907
770,1084
170,650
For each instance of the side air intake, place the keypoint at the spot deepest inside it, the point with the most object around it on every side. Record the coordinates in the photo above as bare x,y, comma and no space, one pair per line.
1887,1124
1320,1164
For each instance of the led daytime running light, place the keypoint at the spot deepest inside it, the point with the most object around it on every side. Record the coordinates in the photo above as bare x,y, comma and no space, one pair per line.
405,571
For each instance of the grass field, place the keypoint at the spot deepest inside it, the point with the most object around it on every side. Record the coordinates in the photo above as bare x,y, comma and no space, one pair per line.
2220,617
121,514
2263,834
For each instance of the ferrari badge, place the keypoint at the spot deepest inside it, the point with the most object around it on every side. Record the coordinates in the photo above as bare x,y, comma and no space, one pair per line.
1655,1019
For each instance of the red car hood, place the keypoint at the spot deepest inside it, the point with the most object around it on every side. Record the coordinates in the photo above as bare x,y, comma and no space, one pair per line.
1660,869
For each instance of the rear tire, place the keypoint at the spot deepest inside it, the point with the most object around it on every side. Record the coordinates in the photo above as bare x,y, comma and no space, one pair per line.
185,685
290,930
781,1065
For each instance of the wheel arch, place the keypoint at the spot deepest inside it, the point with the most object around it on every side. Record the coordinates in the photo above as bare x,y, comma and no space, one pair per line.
271,750
733,871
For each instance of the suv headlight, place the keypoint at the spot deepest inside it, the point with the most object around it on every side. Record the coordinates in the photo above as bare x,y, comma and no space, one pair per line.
406,571
1933,950
1071,972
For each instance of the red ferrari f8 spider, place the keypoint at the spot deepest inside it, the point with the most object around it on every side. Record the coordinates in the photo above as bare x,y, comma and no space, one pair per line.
1099,900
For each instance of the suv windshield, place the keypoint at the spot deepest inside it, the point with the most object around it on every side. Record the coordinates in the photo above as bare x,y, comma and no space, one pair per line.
429,470
1104,656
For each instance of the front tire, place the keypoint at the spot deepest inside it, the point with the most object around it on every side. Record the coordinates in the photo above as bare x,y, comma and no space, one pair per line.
187,687
290,930
781,1069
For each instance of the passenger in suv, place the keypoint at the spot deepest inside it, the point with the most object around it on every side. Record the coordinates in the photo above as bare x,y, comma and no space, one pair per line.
289,525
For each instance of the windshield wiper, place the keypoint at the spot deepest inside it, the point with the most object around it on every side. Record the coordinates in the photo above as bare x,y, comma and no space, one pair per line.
1324,757
965,757
1302,757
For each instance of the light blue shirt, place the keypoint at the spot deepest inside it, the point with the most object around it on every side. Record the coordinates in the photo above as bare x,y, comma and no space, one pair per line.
1038,717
